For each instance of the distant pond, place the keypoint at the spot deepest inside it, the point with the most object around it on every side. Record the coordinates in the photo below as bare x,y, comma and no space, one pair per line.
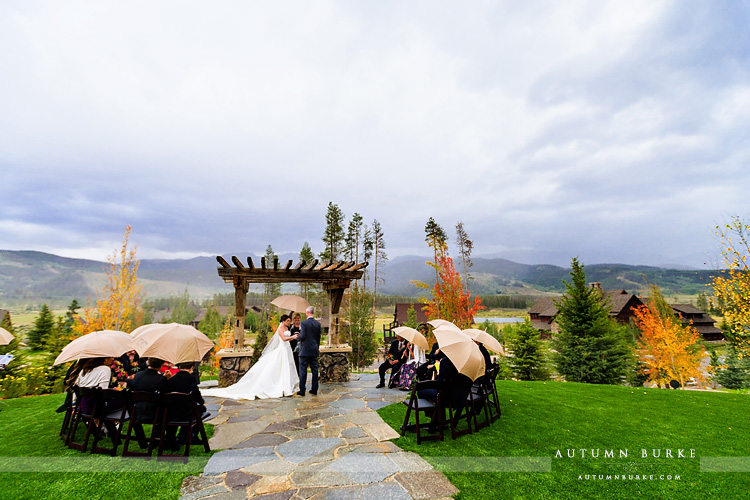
481,320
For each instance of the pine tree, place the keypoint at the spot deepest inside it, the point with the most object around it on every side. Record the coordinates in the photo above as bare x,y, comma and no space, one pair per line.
334,236
272,290
44,326
361,326
212,322
307,290
529,353
437,239
465,246
380,257
354,237
591,347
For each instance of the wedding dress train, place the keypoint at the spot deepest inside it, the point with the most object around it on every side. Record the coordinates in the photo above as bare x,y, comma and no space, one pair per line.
273,376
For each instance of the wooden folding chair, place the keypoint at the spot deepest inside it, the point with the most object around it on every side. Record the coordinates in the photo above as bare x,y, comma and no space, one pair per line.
493,400
477,400
456,411
83,412
143,399
419,405
181,410
67,418
113,416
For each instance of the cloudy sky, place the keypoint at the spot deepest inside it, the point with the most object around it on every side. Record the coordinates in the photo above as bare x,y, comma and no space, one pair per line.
614,131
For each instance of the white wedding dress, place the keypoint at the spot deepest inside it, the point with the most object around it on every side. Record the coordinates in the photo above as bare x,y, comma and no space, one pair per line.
273,376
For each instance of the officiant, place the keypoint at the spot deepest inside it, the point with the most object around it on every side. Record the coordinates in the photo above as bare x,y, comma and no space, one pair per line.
294,330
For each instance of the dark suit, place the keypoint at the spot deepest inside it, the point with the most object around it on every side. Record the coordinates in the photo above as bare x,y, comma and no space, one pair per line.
396,350
309,349
150,381
486,354
184,382
147,380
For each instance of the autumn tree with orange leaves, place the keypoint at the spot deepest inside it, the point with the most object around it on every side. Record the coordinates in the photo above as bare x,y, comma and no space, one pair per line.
668,348
450,299
118,304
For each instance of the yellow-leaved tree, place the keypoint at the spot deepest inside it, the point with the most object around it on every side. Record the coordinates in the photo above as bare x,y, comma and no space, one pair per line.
118,305
732,283
668,348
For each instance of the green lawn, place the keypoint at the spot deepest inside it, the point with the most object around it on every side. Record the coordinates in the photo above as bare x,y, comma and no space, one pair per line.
35,463
539,418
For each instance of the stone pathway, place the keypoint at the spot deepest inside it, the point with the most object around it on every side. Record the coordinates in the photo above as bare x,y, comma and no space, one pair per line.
332,446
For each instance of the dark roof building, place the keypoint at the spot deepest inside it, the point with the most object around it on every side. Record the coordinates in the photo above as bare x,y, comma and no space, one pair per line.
701,321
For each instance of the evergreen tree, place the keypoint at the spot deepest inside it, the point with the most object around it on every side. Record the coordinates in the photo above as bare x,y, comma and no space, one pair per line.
306,290
529,353
212,322
361,326
272,290
183,311
411,317
354,238
334,236
591,347
437,239
380,258
465,246
44,326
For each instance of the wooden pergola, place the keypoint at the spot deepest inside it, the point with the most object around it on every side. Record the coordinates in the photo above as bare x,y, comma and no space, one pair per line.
335,277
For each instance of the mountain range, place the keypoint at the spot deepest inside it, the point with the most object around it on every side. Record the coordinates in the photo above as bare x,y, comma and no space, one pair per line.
35,278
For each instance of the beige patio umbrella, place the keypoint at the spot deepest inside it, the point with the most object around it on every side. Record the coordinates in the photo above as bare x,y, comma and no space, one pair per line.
291,303
143,329
441,323
462,351
5,337
101,344
485,338
413,336
171,342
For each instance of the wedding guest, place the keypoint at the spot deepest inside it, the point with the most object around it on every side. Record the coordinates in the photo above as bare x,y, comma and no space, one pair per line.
393,360
148,380
184,382
294,330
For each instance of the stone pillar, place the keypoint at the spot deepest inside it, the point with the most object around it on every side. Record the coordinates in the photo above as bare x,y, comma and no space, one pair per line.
334,365
232,366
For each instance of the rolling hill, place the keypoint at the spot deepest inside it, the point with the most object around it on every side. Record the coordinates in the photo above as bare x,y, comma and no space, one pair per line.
28,277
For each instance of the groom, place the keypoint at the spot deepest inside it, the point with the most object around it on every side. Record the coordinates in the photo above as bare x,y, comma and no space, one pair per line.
309,349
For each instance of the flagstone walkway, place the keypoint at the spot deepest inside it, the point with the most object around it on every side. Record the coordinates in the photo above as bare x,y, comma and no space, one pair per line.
332,446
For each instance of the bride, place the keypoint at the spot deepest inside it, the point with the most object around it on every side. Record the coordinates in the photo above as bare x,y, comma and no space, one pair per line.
274,375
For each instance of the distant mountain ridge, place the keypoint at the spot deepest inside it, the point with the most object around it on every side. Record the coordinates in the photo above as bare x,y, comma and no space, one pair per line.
30,277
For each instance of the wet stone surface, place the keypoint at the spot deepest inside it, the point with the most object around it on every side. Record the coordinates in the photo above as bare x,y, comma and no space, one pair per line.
326,447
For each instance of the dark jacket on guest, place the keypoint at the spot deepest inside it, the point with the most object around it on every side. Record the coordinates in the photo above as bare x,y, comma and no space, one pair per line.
148,380
486,354
183,381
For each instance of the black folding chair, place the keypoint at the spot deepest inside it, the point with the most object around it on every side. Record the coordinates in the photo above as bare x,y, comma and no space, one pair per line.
181,410
477,401
146,401
83,413
68,417
114,415
493,400
419,405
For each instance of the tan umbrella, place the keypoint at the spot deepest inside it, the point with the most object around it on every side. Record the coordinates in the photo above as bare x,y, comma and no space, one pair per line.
101,344
291,303
485,338
412,335
171,342
462,351
5,337
441,323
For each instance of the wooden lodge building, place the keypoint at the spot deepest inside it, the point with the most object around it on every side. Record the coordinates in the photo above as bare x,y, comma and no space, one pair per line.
542,314
401,316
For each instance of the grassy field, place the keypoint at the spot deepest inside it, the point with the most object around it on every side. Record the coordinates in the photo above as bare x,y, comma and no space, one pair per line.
541,418
35,464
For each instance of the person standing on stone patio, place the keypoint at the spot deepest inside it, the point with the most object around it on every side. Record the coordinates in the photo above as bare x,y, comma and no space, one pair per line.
309,350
